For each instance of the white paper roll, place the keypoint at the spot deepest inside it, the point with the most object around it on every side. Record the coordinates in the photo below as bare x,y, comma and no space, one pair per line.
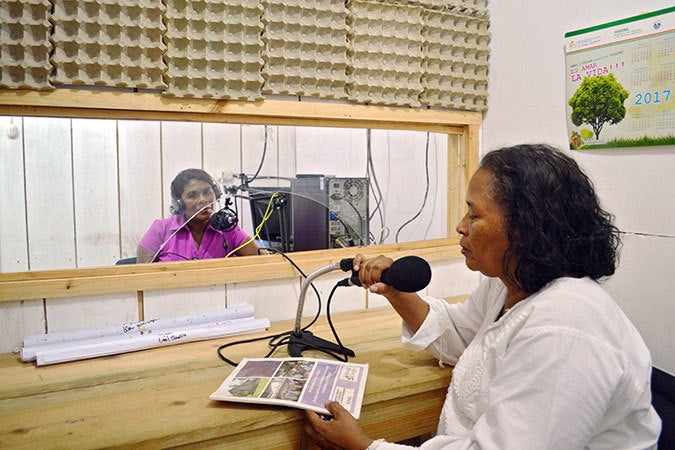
189,334
235,312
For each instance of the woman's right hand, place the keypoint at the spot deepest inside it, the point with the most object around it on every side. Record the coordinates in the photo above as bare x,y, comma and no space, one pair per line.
370,272
410,306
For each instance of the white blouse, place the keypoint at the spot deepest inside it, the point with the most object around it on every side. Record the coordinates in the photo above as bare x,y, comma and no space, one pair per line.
562,369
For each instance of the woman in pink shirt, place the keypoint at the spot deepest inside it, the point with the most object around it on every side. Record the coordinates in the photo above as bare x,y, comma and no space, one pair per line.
188,234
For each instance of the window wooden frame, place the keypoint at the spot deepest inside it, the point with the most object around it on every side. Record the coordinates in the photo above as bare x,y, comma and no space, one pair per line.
462,128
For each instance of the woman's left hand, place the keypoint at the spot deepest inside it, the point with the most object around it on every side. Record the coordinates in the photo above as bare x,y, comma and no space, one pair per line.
341,431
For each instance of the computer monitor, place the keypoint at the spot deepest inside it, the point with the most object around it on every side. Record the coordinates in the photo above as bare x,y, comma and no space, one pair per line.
276,231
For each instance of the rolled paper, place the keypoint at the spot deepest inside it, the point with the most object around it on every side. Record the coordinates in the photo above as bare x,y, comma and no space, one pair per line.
77,351
235,312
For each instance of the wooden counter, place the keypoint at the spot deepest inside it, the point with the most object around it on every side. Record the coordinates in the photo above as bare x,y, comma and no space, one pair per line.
160,397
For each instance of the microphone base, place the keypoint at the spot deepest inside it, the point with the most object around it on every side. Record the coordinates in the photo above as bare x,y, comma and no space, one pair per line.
299,341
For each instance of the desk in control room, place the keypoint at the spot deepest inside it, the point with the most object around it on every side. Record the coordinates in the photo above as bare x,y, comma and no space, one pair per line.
160,397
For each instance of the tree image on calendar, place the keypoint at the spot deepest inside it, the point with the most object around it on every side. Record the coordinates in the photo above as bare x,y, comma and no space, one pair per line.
598,101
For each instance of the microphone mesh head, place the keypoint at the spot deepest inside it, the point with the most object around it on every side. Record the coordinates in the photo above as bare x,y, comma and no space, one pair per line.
408,274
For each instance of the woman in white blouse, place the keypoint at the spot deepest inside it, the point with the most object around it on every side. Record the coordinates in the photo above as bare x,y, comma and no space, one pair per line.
544,358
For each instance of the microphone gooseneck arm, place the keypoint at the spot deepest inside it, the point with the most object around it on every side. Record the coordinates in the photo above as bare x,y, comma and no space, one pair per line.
303,292
300,340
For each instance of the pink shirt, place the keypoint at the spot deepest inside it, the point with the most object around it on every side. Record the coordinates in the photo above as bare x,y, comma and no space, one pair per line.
182,246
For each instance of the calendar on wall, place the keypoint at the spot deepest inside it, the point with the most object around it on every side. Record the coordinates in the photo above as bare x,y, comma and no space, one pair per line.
620,82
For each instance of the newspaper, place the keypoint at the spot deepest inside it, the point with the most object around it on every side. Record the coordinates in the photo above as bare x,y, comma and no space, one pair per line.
305,383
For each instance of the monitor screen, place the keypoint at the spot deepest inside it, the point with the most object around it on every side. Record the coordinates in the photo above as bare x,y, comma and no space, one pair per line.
276,231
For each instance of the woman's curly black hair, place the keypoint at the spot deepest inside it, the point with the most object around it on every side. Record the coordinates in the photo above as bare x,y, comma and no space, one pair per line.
555,224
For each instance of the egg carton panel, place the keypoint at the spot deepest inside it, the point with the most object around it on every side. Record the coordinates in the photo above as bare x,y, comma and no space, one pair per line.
456,61
24,44
476,8
385,51
213,49
115,43
470,7
432,53
305,50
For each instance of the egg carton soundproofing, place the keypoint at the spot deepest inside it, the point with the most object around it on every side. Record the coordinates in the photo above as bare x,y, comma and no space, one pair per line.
305,48
116,43
385,53
431,53
24,44
477,8
470,7
214,49
456,61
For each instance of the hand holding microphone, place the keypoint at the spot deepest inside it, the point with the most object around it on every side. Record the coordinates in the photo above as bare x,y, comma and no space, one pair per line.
407,274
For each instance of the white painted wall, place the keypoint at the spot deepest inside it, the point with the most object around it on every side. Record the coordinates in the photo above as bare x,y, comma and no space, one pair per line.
526,97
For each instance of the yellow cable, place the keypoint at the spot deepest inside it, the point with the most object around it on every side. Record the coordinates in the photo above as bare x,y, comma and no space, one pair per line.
268,213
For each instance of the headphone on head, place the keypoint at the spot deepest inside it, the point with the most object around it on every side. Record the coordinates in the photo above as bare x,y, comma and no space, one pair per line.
177,204
224,220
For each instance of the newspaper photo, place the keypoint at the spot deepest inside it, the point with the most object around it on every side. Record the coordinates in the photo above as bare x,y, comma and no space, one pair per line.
305,383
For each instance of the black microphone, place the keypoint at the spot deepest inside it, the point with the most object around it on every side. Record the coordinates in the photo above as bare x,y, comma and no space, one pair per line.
224,220
407,274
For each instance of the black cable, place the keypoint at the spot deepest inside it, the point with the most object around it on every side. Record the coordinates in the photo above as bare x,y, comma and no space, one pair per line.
262,159
275,340
372,176
172,253
271,343
332,327
244,179
347,227
426,192
318,296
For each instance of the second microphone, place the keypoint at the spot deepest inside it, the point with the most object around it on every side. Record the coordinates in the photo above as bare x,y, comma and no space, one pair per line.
407,274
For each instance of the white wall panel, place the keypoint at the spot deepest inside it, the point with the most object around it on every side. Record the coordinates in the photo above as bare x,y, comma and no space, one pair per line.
399,159
180,302
95,192
222,157
331,151
287,152
49,193
433,218
345,298
13,240
222,149
181,149
275,299
253,147
84,313
140,178
19,319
